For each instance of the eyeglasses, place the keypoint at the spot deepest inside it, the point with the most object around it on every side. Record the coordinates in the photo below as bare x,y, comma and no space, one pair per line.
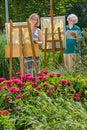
34,19
71,20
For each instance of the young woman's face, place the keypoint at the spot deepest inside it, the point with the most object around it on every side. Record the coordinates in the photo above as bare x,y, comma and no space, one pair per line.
34,19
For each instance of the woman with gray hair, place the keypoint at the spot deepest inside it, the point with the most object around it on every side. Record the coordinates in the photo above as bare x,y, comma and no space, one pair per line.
73,33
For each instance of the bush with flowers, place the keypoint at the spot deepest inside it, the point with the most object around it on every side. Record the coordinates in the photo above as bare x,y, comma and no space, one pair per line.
46,102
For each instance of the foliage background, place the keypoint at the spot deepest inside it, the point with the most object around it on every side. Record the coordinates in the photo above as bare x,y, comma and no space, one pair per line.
19,10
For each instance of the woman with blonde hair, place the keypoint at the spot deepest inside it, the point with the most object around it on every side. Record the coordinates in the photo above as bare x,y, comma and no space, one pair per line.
73,33
37,39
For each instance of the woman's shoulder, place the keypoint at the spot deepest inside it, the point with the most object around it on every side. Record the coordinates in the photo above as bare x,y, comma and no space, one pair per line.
76,27
37,28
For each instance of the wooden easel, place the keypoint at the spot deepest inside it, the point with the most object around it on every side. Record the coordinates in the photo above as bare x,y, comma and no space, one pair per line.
53,41
20,50
54,49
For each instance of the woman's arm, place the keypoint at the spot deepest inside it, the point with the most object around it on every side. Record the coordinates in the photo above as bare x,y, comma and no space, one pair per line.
40,39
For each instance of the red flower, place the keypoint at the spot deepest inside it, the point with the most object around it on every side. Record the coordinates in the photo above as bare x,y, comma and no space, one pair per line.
51,74
4,112
77,96
7,100
6,87
50,91
0,87
58,75
2,79
34,84
44,78
18,73
40,74
39,87
45,71
63,82
52,87
68,83
18,82
14,90
19,96
46,85
9,82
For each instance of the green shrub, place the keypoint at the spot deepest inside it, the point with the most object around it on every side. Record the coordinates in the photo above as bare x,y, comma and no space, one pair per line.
4,62
81,63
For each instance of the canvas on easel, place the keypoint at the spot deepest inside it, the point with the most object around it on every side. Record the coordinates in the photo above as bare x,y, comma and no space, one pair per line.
25,39
59,22
20,43
55,36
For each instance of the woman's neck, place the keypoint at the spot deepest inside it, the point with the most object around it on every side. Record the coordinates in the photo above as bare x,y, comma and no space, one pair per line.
70,26
33,28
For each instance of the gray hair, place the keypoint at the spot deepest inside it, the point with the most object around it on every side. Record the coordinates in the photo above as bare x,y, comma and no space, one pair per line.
73,17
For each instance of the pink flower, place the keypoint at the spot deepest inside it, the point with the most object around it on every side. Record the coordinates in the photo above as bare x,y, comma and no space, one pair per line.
9,82
39,87
77,96
18,82
56,87
50,91
40,74
34,84
63,81
4,112
29,77
13,77
52,87
44,79
17,90
2,79
45,71
24,78
7,100
0,87
46,85
19,96
51,74
58,75
68,83
18,73
14,90
6,87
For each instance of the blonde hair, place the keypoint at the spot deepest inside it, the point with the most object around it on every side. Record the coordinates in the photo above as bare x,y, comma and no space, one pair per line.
35,14
73,17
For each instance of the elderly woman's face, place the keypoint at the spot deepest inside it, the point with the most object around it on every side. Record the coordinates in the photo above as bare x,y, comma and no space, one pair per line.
71,21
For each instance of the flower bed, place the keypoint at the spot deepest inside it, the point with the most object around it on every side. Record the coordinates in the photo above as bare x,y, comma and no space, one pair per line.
47,101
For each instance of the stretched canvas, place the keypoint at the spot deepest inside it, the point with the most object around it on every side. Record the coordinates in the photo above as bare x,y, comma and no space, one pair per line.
58,22
20,40
15,33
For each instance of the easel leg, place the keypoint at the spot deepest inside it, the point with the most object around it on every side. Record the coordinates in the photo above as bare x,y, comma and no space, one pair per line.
45,48
10,61
21,52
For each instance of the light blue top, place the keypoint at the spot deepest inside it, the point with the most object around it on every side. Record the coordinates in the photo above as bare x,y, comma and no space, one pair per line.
71,42
35,34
